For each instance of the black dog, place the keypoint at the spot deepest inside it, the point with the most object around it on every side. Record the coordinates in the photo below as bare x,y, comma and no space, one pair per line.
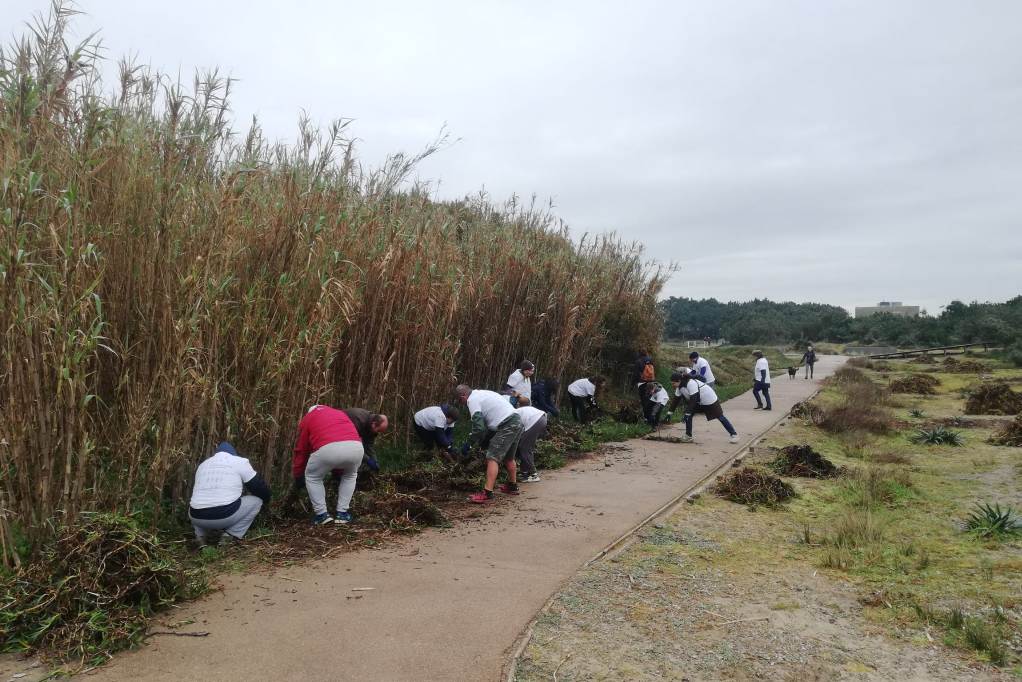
792,371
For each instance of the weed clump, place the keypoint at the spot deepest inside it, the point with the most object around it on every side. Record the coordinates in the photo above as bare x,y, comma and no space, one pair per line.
874,487
803,461
92,591
862,411
993,398
917,384
807,411
752,485
937,436
993,523
849,375
1009,434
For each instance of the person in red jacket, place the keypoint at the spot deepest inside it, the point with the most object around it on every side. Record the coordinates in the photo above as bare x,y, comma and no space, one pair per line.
327,440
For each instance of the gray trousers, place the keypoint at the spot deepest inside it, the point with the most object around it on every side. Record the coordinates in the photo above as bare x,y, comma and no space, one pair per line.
527,445
237,524
345,454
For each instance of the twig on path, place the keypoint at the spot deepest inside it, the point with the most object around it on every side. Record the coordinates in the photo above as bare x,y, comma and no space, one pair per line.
294,580
362,589
558,668
177,634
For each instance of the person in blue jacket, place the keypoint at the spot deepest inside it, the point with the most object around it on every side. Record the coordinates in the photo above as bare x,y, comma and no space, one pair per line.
544,392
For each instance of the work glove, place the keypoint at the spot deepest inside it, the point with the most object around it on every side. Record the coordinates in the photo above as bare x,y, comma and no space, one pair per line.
667,418
372,464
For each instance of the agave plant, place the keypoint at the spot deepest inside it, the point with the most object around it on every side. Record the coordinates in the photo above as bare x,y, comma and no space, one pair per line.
916,414
937,436
990,521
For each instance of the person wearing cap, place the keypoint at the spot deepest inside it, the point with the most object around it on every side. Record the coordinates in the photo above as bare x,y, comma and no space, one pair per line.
435,428
701,366
328,440
533,428
520,381
654,403
761,381
219,502
543,395
492,414
809,359
699,398
582,394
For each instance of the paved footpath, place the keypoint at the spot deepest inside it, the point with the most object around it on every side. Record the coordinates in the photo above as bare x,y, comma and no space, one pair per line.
445,604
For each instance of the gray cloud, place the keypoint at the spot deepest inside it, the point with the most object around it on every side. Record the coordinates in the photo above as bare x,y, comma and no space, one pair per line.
837,151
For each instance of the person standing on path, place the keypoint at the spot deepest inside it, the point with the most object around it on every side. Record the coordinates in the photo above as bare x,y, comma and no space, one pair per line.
327,440
520,381
491,412
582,394
699,398
218,502
701,366
761,381
543,395
809,359
435,427
533,428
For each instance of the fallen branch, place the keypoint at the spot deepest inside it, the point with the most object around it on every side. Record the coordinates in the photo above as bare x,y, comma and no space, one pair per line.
177,634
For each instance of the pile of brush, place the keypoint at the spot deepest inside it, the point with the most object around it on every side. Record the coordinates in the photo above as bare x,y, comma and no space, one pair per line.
808,412
804,462
993,398
752,485
918,384
1009,434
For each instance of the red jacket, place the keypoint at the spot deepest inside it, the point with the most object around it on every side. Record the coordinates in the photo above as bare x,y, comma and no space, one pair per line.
319,427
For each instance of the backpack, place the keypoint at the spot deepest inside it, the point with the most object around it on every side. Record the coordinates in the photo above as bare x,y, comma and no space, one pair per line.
648,372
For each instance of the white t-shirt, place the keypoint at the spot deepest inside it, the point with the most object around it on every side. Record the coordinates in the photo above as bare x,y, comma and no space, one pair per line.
218,480
581,388
707,396
702,362
431,418
520,383
530,415
761,364
494,407
660,396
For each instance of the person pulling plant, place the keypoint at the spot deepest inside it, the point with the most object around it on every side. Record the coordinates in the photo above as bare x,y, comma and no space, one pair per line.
218,502
493,414
699,398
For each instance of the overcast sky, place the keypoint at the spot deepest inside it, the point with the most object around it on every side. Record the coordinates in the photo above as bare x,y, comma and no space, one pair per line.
813,150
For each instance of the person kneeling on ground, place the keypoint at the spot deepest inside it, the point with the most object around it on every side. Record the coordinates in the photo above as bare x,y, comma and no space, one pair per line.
761,381
435,426
582,394
699,398
217,501
543,395
327,440
533,428
491,412
655,401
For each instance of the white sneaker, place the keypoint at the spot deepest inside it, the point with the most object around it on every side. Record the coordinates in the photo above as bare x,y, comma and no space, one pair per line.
685,438
532,478
733,439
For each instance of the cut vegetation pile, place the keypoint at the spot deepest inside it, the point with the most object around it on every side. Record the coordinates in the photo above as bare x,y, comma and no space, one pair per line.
92,592
1009,434
804,462
963,366
993,398
807,411
918,384
752,485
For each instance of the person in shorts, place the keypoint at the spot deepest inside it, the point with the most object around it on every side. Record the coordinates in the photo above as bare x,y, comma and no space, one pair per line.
492,413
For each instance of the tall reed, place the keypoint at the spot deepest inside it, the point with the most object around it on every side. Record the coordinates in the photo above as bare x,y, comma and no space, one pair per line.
167,283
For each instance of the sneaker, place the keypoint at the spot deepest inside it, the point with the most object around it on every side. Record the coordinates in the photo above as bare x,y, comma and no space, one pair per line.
531,478
758,407
481,497
226,540
733,439
343,517
320,519
767,409
509,489
686,439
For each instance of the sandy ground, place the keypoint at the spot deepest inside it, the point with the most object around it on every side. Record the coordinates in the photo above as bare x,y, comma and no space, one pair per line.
446,604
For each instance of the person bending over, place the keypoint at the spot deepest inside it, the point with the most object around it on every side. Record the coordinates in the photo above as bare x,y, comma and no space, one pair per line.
699,398
435,427
491,412
218,501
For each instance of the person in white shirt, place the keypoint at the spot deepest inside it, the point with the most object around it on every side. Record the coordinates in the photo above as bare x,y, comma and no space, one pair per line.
218,502
699,398
654,402
491,412
435,427
533,428
701,366
582,394
520,381
761,381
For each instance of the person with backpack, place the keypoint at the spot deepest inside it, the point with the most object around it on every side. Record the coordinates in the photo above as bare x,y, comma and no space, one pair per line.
699,398
701,366
809,359
642,373
761,381
520,381
435,428
544,392
582,394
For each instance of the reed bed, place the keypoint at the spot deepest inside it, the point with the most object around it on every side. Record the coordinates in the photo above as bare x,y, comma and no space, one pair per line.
168,282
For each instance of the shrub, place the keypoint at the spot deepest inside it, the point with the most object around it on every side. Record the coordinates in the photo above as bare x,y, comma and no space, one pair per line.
992,522
937,436
849,375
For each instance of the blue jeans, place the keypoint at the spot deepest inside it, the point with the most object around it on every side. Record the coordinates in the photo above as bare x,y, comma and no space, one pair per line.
722,419
757,388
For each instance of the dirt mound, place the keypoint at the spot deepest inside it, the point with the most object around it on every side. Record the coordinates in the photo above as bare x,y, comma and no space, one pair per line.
807,411
918,384
963,366
1009,434
751,485
993,398
93,590
803,461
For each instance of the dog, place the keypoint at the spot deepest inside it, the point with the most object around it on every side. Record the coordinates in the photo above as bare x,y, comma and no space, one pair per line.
792,371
